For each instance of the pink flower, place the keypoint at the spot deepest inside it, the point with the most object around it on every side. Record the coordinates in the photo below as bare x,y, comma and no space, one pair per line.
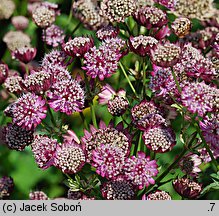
140,170
3,72
107,32
38,195
170,4
158,195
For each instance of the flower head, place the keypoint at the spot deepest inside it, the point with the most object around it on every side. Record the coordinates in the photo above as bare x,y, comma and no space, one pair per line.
107,32
78,46
108,160
187,188
6,186
170,4
13,84
66,96
43,149
28,111
158,195
3,72
181,26
20,22
7,8
140,170
117,10
159,139
53,35
38,195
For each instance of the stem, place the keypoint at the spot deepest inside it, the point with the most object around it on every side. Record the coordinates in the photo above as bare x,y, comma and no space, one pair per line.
93,115
126,76
26,69
128,29
84,120
52,117
76,27
69,17
176,81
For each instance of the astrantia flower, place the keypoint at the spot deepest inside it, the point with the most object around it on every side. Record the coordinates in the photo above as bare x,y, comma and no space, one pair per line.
142,45
170,4
43,16
204,155
105,135
66,96
190,164
87,11
20,22
53,35
74,195
25,54
140,170
69,157
106,94
29,110
38,82
7,8
159,139
13,84
118,189
165,55
43,149
181,26
59,74
78,46
6,186
107,32
117,10
18,138
199,98
187,188
101,62
108,160
150,17
158,195
146,114
38,195
3,72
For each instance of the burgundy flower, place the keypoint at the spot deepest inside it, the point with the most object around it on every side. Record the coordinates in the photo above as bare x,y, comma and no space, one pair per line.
3,72
108,160
140,170
69,157
142,45
13,84
161,33
6,186
38,195
107,32
53,35
187,188
158,195
78,46
159,139
106,135
25,54
17,138
20,22
119,189
146,114
66,96
28,111
170,4
181,26
43,149
150,17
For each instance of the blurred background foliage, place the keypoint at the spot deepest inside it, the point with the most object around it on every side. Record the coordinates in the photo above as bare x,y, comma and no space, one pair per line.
21,165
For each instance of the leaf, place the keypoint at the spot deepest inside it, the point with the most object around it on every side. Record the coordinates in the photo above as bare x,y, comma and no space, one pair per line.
213,186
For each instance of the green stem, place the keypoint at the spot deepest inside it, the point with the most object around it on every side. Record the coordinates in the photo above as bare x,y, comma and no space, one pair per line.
93,115
176,81
126,76
69,17
76,28
26,69
52,117
84,120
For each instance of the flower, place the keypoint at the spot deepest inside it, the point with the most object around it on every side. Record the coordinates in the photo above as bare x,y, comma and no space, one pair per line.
108,160
190,164
105,135
43,149
142,45
170,4
6,186
53,35
146,114
66,96
74,195
78,46
3,72
204,155
38,82
7,8
181,26
159,138
107,32
87,11
20,22
199,98
13,84
187,188
158,195
150,17
140,170
101,62
165,55
43,16
24,54
107,93
118,189
28,111
38,195
17,138
117,10
69,157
